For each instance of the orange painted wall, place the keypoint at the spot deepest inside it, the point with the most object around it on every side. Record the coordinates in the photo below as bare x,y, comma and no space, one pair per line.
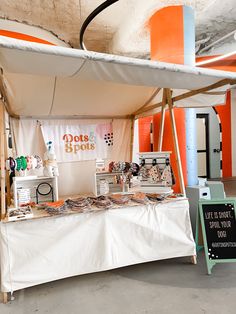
24,37
228,64
144,134
167,39
168,144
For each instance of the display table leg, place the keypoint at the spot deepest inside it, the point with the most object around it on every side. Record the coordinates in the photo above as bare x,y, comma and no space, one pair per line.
194,259
4,297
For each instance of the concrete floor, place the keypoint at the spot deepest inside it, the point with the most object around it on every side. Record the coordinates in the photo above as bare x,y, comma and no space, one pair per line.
230,186
167,286
171,286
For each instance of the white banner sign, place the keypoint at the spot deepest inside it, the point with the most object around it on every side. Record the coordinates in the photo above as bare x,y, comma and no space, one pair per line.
79,142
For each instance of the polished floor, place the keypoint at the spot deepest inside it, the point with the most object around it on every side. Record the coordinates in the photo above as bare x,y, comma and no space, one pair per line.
168,286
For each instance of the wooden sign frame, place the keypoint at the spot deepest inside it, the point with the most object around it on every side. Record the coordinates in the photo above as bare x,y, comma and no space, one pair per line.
211,262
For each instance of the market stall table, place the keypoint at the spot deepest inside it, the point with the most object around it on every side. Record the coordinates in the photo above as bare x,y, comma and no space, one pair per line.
81,243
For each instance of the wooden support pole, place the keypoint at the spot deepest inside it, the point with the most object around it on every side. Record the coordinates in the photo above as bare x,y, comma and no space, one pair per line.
147,102
132,139
176,145
8,186
2,159
194,259
7,172
4,297
190,94
4,94
149,108
161,129
202,90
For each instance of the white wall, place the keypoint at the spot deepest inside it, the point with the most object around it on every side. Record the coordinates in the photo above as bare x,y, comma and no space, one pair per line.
214,141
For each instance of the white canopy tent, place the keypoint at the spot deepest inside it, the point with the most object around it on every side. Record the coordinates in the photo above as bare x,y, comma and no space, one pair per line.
41,81
56,82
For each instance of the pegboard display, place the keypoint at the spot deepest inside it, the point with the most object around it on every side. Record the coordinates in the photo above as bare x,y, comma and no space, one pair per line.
155,169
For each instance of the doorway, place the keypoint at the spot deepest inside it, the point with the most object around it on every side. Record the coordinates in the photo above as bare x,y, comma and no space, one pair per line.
203,145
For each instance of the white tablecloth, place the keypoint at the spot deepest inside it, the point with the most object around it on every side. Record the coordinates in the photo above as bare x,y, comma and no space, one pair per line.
42,250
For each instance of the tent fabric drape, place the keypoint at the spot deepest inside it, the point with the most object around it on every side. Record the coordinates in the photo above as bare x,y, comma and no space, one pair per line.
75,177
71,245
43,80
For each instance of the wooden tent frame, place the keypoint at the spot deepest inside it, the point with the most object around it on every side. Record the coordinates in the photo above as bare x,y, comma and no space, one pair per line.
167,101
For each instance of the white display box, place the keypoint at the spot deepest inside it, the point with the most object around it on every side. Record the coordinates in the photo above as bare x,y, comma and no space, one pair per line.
32,182
110,177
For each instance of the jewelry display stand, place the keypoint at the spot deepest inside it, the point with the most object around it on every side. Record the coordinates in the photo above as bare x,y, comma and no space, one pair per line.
148,160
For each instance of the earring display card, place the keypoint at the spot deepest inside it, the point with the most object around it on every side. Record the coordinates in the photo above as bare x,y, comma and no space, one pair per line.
23,196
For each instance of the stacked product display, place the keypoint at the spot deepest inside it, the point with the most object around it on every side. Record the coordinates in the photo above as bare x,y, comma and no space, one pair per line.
153,174
125,167
115,187
90,203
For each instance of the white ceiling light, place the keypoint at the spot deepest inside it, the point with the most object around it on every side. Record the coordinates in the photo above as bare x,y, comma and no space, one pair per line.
227,55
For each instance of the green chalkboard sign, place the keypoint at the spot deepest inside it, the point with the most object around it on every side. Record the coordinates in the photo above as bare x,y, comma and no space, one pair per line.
219,230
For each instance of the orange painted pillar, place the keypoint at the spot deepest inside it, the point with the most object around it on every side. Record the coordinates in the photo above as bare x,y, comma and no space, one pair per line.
172,40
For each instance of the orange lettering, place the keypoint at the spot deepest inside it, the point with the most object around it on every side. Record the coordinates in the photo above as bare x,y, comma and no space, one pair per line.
67,137
76,138
76,148
68,147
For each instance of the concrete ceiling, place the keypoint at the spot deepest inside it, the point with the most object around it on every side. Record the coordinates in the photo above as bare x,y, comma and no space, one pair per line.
121,28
